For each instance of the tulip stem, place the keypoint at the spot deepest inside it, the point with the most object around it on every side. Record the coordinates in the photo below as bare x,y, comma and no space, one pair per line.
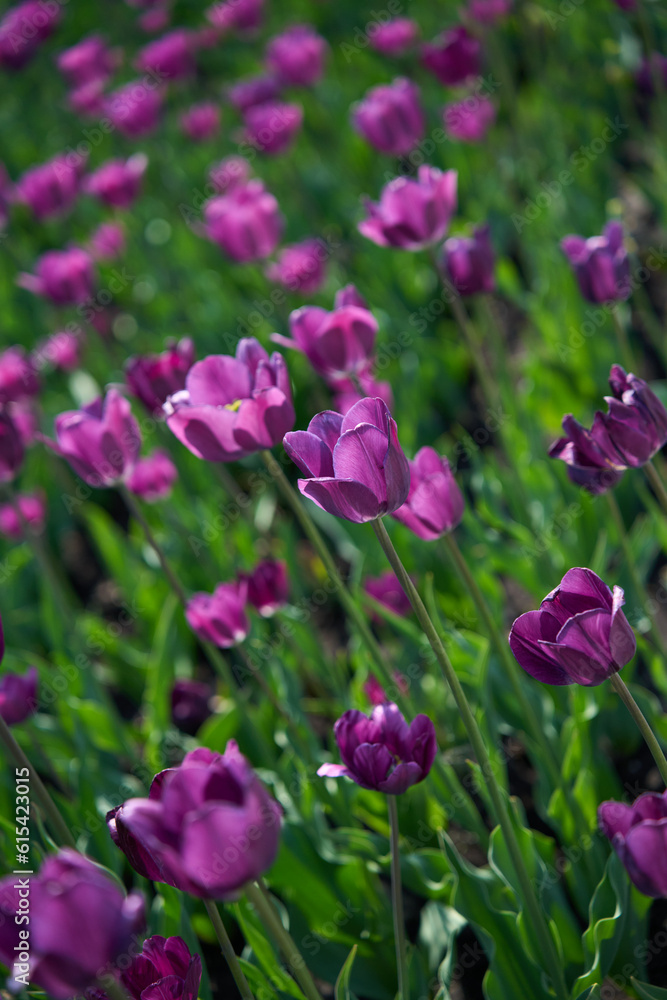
535,915
656,482
622,338
622,690
113,989
260,898
397,901
44,801
228,952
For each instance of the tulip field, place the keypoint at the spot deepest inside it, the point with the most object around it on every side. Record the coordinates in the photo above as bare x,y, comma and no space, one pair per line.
333,500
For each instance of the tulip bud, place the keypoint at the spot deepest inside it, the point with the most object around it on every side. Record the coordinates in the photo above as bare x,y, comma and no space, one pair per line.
18,697
435,503
390,117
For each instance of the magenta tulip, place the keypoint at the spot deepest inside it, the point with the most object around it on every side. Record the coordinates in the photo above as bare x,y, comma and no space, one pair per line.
190,704
18,696
488,11
272,127
169,57
412,213
50,188
100,441
245,94
165,969
12,450
435,503
395,37
386,590
61,350
268,586
23,28
453,57
470,119
390,117
107,242
88,61
300,267
153,477
28,510
134,109
220,617
600,264
67,277
469,262
18,378
245,222
297,55
152,378
201,121
118,182
336,343
638,834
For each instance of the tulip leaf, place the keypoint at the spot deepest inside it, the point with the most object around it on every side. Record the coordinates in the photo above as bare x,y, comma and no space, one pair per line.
648,992
607,924
263,950
342,988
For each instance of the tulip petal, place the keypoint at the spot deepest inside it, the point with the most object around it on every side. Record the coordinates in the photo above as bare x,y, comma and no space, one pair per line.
371,764
218,380
309,453
525,641
263,420
401,778
643,854
351,501
360,455
622,641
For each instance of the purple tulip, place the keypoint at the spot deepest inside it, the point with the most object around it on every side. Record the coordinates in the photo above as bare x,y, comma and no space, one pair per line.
107,242
152,378
638,834
207,827
627,436
62,350
377,695
300,267
100,441
23,28
201,121
230,173
12,451
244,15
88,100
469,262
163,970
386,590
336,343
268,586
18,378
579,636
88,61
169,57
67,277
272,127
651,70
346,393
395,37
488,11
470,119
153,477
453,57
390,117
353,464
382,752
349,295
245,222
412,214
220,617
50,188
81,923
254,90
18,696
600,264
297,55
233,406
435,503
134,109
190,705
31,512
118,182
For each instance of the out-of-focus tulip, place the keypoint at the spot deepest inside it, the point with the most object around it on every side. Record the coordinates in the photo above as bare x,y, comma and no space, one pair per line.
245,222
67,277
297,55
23,28
101,441
453,57
118,182
244,15
300,267
87,61
488,11
154,377
470,119
12,449
153,477
254,90
435,503
390,117
469,262
220,617
395,37
18,378
201,121
638,834
272,127
386,590
107,242
50,188
336,343
190,705
134,109
229,173
169,57
600,264
61,350
268,586
31,513
346,393
18,698
412,213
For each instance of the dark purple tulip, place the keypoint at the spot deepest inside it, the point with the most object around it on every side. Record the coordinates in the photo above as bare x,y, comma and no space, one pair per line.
300,267
153,477
31,511
453,57
134,109
164,970
650,71
268,586
390,117
469,262
201,121
591,459
470,119
50,188
18,696
107,242
169,57
254,90
117,182
207,826
12,449
152,378
353,464
81,923
230,173
23,28
336,343
435,503
386,590
395,37
233,406
638,834
87,61
382,752
245,222
297,55
412,213
600,264
190,705
18,378
579,636
488,11
67,277
100,441
220,617
272,127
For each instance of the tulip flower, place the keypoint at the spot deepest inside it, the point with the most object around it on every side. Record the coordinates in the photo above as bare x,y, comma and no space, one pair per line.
169,57
412,213
230,173
469,262
336,343
300,267
134,109
23,28
154,377
164,968
349,295
453,57
118,182
220,617
268,586
346,393
600,264
51,188
488,11
88,100
88,61
297,55
386,590
390,117
233,406
377,695
245,94
470,119
395,37
62,350
650,70
638,834
12,451
67,277
100,441
18,697
201,121
107,242
435,503
31,511
244,15
18,378
579,635
81,923
207,827
190,705
153,477
353,464
272,127
245,222
381,751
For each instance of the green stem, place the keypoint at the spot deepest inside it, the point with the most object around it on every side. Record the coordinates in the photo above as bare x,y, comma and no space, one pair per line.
534,913
113,988
228,952
656,482
397,902
622,338
44,801
258,895
621,689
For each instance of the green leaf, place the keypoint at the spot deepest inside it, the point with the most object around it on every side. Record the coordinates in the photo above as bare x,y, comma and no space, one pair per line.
263,950
342,989
648,992
607,919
